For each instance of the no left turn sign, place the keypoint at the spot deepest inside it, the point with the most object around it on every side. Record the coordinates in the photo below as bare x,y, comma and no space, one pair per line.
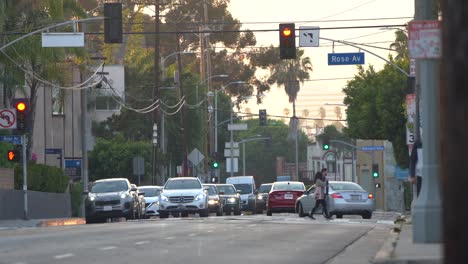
7,119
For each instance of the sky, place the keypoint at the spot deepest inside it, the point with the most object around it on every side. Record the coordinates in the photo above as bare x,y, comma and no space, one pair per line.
267,14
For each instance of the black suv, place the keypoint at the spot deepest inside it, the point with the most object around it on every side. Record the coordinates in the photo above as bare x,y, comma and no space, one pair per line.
230,198
262,196
110,198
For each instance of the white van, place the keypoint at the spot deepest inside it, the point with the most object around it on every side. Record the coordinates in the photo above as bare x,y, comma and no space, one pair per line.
245,185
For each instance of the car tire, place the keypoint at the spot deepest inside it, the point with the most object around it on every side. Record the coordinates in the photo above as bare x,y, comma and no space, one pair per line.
367,215
339,216
237,211
300,210
269,213
204,213
219,212
163,215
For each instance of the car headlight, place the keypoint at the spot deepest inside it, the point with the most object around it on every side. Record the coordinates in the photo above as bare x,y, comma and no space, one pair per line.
199,197
260,197
124,195
231,200
164,198
91,198
212,201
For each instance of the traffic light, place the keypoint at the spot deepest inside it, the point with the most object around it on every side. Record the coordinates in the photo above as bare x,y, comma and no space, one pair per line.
14,155
113,23
22,108
262,117
375,170
215,165
326,144
287,37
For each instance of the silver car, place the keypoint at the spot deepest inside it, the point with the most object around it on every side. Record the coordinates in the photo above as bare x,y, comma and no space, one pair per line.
151,199
344,198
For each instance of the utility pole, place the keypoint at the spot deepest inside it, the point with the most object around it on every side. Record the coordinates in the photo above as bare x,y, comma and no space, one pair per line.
453,130
156,94
427,211
182,112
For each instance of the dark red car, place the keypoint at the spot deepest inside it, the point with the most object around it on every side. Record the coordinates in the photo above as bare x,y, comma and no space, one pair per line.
283,196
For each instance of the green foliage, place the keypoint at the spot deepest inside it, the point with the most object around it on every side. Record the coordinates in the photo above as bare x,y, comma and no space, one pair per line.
114,158
76,197
42,178
376,107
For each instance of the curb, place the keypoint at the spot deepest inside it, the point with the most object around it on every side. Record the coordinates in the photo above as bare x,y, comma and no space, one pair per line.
62,222
386,254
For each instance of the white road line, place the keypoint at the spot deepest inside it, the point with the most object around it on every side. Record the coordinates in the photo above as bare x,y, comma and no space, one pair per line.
209,231
142,242
108,248
68,255
168,238
192,234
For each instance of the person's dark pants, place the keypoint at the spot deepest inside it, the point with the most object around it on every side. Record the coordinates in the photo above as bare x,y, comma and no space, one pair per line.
418,184
317,204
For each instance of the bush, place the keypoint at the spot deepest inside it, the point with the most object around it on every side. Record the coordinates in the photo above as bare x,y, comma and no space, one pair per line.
42,178
76,198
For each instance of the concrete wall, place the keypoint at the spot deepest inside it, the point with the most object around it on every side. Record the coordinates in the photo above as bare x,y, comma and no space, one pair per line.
7,179
40,205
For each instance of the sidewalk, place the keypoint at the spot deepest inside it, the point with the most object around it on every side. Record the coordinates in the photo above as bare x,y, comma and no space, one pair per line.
399,248
20,223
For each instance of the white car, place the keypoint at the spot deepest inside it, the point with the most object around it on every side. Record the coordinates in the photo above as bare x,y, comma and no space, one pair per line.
183,195
151,198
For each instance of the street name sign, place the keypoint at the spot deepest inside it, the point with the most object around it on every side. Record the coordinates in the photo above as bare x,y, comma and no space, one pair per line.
53,151
62,39
234,144
240,126
346,58
15,140
227,152
309,36
372,148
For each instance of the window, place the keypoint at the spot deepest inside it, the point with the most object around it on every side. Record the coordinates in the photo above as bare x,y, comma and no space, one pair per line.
58,98
106,103
226,189
182,184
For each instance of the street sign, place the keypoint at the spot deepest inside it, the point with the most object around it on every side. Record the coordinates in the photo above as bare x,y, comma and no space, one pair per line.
309,36
346,58
240,126
62,39
372,148
7,118
53,151
234,144
138,166
234,166
227,152
15,140
73,167
195,157
424,39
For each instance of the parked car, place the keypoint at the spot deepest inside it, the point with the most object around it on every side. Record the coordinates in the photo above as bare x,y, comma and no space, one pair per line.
151,199
283,196
183,195
111,198
262,196
214,203
141,203
246,187
344,198
230,198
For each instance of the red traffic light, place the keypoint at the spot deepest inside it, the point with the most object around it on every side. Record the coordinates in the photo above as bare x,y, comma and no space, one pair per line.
21,106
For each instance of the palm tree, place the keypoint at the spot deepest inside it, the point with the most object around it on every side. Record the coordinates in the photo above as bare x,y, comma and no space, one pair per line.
338,113
400,45
289,73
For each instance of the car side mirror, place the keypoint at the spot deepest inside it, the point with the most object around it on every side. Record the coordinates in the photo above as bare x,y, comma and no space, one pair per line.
221,193
256,192
86,193
238,191
141,193
133,189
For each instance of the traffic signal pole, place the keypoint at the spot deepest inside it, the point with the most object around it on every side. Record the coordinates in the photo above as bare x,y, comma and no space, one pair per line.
25,177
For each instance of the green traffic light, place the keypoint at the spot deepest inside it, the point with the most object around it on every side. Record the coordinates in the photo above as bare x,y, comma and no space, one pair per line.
375,174
215,165
326,147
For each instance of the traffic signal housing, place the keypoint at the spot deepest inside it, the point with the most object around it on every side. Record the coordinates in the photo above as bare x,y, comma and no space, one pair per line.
262,117
375,170
14,155
21,106
287,38
113,23
326,144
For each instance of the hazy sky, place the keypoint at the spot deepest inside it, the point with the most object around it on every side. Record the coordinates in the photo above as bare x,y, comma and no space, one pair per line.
267,14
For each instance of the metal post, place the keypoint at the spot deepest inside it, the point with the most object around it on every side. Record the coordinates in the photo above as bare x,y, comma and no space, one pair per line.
297,146
156,88
243,158
232,143
216,122
427,211
25,177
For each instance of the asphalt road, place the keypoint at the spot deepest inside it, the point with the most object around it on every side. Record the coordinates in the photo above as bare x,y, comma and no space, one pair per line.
282,238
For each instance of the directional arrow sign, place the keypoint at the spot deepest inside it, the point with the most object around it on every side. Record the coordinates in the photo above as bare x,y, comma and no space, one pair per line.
309,36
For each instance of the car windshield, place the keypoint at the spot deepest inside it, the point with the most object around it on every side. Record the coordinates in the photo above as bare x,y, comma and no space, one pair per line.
265,188
109,186
288,186
151,192
226,189
211,190
345,186
243,187
182,184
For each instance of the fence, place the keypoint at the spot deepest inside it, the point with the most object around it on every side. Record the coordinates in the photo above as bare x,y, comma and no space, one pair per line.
40,205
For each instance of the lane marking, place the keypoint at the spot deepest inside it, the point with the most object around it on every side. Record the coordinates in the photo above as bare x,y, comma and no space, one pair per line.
142,242
192,234
108,248
171,237
68,255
